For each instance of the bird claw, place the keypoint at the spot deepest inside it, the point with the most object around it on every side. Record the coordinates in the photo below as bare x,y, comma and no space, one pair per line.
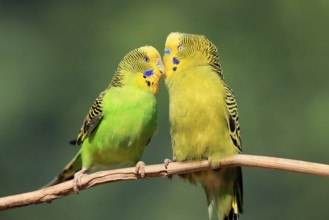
140,169
168,161
77,180
214,162
166,164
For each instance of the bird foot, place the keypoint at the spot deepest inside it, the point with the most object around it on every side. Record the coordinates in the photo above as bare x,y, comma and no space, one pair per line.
77,180
140,169
214,162
166,164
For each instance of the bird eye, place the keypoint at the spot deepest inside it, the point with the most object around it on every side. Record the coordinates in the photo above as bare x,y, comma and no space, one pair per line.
180,47
146,59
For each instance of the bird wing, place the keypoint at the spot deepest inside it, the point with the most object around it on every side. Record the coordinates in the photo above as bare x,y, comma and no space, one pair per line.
233,117
91,121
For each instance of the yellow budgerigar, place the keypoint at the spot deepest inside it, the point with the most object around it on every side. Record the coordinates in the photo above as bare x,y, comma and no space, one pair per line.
203,116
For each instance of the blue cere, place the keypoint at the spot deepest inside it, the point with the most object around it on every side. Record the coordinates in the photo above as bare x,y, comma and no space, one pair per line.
175,60
167,51
148,73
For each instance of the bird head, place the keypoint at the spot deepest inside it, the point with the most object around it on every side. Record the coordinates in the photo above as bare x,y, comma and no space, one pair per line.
141,68
184,51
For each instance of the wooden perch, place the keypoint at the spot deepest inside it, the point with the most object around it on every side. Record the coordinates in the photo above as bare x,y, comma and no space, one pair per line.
66,188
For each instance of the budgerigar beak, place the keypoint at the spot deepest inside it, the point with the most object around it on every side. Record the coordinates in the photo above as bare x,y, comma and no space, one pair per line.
160,65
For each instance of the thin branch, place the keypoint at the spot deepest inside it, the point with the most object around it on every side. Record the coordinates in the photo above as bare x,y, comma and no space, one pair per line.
158,170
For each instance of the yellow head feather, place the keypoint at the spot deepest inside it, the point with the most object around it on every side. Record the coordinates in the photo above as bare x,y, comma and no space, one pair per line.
190,49
142,68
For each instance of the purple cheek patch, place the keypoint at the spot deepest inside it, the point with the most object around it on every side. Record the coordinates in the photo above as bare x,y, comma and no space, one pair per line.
148,73
175,61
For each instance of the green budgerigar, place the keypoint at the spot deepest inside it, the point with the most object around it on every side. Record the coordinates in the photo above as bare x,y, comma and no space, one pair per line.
203,117
122,120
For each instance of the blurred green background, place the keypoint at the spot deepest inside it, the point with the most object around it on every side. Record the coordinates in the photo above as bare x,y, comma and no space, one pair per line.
56,56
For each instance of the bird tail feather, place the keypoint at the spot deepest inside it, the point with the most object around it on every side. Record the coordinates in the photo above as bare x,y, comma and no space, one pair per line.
68,172
225,195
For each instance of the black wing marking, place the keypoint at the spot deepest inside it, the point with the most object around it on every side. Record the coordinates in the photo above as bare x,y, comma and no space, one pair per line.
233,117
91,121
